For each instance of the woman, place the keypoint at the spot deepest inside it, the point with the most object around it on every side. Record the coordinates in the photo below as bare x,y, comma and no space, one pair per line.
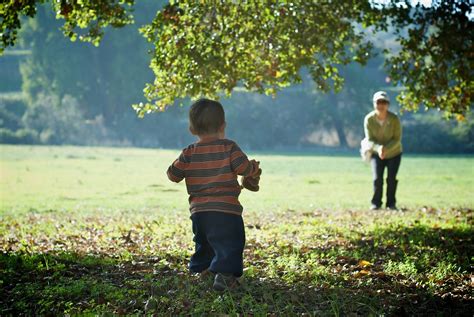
383,133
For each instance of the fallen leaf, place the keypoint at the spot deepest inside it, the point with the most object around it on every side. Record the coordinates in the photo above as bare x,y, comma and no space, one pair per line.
364,263
361,273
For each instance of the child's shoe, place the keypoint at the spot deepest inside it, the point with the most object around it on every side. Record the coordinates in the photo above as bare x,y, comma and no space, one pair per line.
224,282
206,274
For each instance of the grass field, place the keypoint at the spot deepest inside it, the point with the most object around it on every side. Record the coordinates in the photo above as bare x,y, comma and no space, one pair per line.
77,178
101,230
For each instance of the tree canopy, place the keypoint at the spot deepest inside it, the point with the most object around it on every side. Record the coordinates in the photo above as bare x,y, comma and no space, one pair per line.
211,47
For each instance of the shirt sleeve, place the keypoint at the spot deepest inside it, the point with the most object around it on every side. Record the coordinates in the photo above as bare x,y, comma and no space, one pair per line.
369,134
176,170
240,164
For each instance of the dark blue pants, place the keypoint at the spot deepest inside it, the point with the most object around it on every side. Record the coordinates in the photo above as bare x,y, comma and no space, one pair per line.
219,240
378,167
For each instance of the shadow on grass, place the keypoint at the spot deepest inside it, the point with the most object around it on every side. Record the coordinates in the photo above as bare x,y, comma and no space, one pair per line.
431,267
425,245
405,262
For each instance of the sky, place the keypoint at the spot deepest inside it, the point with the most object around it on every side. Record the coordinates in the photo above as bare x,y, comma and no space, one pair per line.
423,2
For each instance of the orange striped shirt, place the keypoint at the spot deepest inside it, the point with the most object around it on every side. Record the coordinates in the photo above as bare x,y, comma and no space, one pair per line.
210,169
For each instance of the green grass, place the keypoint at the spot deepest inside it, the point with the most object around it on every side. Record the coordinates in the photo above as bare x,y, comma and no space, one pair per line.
101,230
81,178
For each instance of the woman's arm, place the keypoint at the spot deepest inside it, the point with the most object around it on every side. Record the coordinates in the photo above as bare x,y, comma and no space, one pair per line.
396,140
369,135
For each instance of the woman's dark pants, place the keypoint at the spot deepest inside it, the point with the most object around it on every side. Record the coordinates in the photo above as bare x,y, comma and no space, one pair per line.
219,240
378,167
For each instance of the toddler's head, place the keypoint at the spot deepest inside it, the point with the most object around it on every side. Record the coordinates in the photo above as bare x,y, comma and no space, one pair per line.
206,117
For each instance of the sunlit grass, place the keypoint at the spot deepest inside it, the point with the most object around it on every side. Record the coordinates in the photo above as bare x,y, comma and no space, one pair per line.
101,230
82,178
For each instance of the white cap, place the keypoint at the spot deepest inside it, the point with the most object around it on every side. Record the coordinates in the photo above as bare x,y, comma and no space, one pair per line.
381,95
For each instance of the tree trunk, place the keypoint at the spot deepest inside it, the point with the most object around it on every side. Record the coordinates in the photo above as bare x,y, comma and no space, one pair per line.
336,119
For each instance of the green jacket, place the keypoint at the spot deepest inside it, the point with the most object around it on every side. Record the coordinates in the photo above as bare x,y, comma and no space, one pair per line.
388,135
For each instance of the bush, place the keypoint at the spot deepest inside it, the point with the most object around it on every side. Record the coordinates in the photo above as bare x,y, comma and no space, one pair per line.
62,122
22,136
12,108
430,133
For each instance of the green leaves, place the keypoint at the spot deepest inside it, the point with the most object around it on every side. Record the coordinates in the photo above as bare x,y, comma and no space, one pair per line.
262,46
89,15
92,16
10,12
435,63
205,49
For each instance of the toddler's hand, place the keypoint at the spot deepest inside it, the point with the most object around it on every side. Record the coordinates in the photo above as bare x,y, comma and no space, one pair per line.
255,166
251,182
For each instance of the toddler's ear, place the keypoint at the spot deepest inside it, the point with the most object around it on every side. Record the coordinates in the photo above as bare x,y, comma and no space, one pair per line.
192,130
223,126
